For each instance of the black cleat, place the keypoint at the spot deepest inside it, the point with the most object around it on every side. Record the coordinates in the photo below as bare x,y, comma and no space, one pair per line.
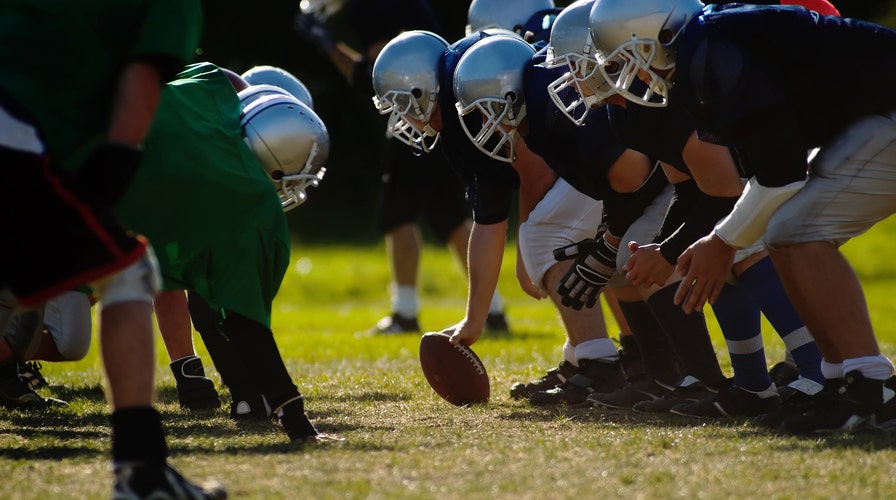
551,379
135,482
195,391
396,323
593,376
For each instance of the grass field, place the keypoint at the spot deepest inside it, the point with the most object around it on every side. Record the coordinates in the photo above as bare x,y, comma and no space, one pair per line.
402,441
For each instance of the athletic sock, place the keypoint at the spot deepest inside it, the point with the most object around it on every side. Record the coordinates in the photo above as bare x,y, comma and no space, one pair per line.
569,353
739,317
404,300
137,436
761,281
832,371
873,367
656,351
601,349
689,337
497,304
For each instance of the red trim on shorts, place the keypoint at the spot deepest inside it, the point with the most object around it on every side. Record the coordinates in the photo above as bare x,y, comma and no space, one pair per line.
123,258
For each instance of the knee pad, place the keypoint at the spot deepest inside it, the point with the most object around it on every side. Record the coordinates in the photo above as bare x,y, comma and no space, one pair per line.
68,320
139,282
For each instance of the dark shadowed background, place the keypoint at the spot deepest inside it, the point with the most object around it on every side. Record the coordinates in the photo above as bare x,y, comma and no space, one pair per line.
239,35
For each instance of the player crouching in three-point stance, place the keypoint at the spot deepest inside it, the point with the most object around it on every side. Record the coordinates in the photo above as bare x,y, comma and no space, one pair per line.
755,78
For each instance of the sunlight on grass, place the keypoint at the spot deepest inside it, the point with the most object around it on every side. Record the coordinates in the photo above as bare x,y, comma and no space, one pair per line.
403,441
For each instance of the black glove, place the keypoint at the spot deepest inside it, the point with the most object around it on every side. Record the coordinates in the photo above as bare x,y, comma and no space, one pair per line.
312,29
594,265
106,174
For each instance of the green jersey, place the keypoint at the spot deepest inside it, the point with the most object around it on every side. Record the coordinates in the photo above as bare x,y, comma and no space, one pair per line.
204,201
64,77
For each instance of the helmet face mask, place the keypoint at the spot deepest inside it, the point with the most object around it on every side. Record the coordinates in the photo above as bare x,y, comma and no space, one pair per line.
498,135
488,82
637,41
289,140
408,119
405,82
583,86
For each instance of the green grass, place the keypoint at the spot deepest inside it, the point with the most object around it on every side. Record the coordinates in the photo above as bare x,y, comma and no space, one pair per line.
405,442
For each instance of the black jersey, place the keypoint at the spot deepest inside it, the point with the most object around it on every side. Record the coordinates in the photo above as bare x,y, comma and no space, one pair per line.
490,183
776,81
580,155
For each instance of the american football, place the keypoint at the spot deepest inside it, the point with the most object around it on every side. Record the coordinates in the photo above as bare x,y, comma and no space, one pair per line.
455,372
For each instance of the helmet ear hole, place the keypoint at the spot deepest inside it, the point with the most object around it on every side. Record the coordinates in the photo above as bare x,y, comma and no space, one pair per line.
665,36
417,93
511,95
277,174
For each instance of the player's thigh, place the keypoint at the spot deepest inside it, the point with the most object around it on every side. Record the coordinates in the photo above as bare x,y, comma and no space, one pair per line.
564,216
851,187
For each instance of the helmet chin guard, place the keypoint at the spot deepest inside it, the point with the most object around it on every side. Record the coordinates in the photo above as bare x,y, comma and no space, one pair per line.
406,86
489,79
288,138
635,41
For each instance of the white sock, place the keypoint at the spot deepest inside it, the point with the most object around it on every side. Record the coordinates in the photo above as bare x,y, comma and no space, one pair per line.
497,305
404,300
569,353
602,349
874,367
831,371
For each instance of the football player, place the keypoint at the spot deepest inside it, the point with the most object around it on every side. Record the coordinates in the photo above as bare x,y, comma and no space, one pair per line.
413,185
753,78
221,232
70,146
413,78
707,183
515,110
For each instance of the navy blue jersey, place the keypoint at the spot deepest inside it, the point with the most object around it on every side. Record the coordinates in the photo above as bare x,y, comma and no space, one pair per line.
580,155
539,25
374,21
490,183
776,81
660,133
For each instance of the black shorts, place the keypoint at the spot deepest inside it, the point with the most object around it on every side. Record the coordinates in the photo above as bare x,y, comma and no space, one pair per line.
420,185
54,242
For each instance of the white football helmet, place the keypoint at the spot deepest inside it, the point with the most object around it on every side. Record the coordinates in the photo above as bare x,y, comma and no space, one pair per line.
290,141
583,87
279,77
406,83
321,8
504,14
639,36
489,79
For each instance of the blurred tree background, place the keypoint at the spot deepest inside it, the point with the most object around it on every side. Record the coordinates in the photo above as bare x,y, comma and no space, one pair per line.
239,35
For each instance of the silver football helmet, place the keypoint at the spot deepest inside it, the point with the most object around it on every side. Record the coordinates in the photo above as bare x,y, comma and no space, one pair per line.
321,8
290,141
583,87
489,79
406,85
505,14
639,36
279,77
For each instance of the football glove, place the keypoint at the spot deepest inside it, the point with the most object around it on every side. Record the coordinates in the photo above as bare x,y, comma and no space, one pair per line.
315,32
104,177
595,263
